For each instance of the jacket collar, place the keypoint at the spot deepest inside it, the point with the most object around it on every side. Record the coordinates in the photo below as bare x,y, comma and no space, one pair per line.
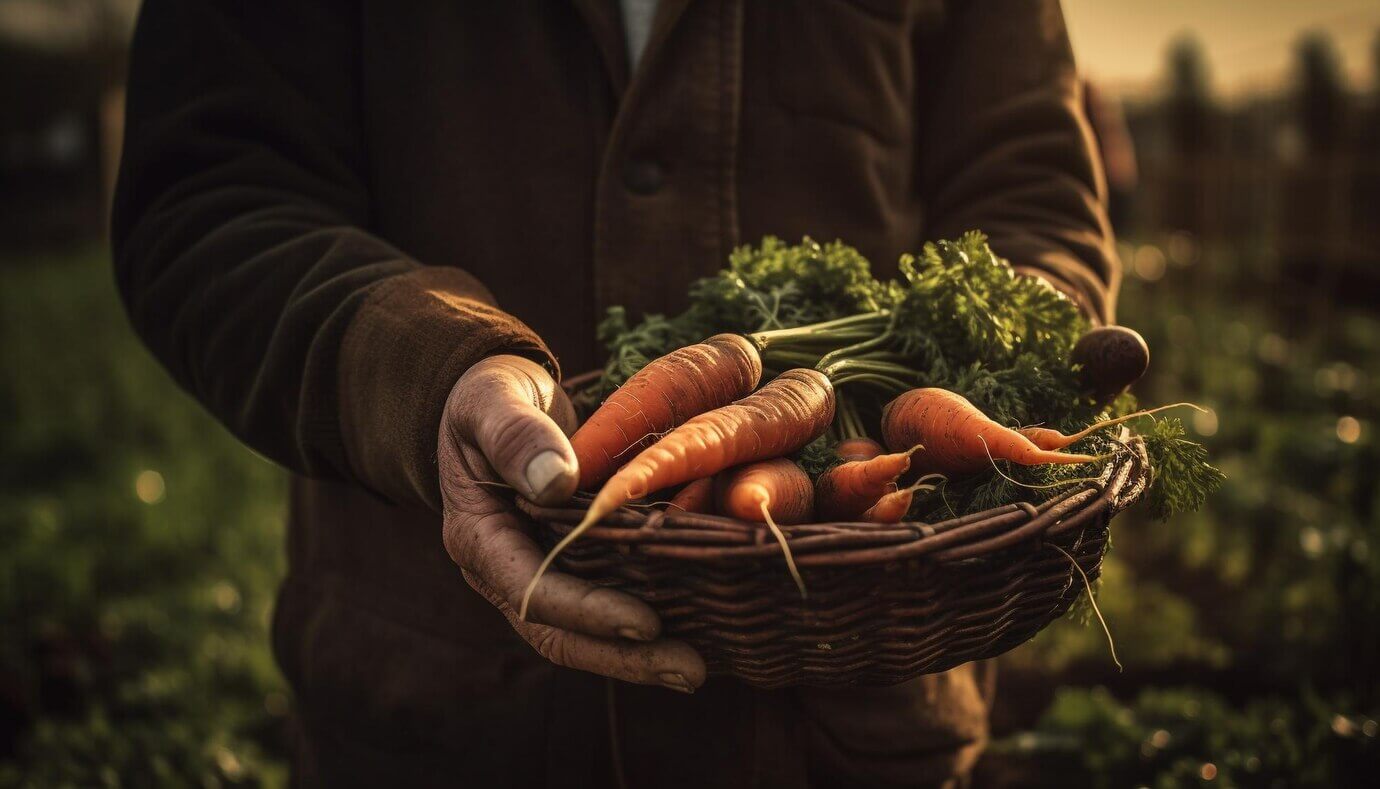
605,21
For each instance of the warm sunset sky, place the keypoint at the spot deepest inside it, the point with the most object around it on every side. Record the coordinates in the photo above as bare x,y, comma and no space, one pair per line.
1248,42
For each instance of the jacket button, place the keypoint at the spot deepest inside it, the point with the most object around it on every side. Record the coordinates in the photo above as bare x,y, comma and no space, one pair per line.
643,176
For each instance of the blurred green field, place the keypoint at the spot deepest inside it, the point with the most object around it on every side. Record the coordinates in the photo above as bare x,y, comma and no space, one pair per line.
141,546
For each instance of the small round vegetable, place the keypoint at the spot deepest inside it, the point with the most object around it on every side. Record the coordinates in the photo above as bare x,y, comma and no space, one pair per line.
1113,358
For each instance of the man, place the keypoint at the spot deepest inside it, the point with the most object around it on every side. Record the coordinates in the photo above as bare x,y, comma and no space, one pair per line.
363,234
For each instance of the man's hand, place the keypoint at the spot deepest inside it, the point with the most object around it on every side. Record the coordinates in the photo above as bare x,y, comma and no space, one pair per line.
506,421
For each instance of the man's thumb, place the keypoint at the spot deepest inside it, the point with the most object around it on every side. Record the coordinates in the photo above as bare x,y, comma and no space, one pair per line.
508,415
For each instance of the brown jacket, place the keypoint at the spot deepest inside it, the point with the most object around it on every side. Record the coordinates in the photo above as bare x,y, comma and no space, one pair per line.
328,210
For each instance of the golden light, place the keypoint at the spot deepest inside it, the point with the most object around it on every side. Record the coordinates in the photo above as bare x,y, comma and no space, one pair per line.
1311,541
1183,250
149,486
1273,349
1208,771
1348,430
1149,263
229,763
227,597
1205,422
1342,726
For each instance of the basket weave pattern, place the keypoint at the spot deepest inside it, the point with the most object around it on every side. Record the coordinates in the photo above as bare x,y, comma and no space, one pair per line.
886,603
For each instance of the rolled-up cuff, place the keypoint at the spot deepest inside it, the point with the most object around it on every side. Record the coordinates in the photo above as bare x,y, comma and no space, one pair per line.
409,342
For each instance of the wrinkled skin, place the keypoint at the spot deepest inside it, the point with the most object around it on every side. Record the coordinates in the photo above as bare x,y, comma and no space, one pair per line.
507,421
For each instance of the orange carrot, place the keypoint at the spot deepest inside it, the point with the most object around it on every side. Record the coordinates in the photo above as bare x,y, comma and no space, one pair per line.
775,489
892,507
849,489
1046,438
768,491
661,396
697,496
781,417
858,449
957,437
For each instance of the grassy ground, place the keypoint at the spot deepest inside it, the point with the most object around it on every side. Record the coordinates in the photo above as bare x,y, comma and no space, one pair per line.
140,548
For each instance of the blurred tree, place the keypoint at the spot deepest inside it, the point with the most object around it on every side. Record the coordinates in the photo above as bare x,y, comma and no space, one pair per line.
1321,94
1189,104
1187,199
1370,135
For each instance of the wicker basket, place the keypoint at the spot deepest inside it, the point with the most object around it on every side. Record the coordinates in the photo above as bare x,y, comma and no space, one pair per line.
886,602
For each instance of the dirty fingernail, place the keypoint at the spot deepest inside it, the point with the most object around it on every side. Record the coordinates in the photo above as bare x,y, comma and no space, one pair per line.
543,469
676,682
633,634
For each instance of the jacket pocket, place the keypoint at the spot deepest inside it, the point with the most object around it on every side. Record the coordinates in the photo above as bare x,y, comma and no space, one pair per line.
850,61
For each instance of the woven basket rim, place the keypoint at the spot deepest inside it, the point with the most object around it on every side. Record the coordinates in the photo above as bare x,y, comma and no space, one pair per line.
695,537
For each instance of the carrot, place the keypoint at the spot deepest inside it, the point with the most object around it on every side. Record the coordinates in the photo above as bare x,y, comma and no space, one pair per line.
862,448
661,396
781,417
893,506
769,491
1046,438
775,489
697,496
848,489
957,437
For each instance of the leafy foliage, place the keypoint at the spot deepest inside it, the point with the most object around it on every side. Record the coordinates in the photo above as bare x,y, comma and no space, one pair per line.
770,286
1187,736
776,285
818,456
961,297
142,547
1184,478
967,322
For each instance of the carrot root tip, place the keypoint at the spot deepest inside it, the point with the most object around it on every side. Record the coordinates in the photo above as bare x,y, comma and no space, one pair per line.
589,520
785,550
1092,600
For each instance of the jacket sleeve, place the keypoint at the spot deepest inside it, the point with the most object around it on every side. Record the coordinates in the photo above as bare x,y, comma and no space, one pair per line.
1008,149
243,255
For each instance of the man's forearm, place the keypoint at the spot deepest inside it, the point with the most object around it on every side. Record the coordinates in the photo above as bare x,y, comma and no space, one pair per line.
242,253
1009,151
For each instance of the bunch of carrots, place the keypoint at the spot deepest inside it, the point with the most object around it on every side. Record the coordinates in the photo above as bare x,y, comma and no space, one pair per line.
824,394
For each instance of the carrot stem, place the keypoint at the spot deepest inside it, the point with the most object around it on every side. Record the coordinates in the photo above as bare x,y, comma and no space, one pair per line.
765,339
793,358
888,384
850,424
853,351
